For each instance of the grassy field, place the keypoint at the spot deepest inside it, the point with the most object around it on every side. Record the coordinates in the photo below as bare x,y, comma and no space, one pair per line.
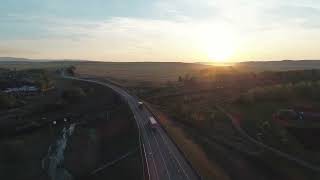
153,73
139,74
127,73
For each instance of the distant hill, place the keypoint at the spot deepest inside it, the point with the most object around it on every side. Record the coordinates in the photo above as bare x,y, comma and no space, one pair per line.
280,65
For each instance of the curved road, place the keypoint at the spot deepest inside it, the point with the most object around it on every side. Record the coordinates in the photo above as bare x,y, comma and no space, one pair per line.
163,160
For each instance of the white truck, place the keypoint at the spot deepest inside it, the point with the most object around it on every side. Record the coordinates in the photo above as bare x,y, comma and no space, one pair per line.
153,123
140,105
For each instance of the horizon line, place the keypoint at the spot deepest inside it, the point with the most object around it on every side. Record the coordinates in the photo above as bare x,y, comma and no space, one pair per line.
24,59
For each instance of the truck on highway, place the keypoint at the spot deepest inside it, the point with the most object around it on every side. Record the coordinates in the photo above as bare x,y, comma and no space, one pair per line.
153,123
140,105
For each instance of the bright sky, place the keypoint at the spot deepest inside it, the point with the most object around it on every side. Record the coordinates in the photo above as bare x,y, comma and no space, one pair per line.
161,30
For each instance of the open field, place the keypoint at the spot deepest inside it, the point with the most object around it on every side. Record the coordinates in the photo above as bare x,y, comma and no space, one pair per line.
127,73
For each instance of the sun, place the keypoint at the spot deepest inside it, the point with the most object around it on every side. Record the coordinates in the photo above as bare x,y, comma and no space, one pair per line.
218,45
219,52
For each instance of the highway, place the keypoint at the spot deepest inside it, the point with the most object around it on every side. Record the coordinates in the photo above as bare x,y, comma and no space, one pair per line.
163,159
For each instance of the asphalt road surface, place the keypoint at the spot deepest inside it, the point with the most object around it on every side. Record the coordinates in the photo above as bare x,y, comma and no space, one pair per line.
163,160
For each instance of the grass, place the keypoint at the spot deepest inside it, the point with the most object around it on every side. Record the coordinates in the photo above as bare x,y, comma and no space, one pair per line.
137,74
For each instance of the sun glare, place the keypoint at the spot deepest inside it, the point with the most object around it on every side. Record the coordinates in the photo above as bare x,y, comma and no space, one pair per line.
218,46
220,52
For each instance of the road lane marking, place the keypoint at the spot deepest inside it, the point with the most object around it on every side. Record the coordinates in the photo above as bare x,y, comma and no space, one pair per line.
161,156
174,156
147,139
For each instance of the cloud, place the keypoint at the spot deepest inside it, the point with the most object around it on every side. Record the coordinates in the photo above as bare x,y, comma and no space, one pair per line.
169,30
120,38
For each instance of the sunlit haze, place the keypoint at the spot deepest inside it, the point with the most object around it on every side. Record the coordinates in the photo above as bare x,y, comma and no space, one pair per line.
161,30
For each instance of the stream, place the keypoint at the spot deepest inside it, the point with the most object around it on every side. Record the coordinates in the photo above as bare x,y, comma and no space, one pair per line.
52,163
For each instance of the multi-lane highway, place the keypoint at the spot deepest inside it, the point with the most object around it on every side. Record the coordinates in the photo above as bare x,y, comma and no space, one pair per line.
162,158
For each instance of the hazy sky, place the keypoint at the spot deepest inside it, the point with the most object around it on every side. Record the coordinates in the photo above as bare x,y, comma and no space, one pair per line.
161,30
